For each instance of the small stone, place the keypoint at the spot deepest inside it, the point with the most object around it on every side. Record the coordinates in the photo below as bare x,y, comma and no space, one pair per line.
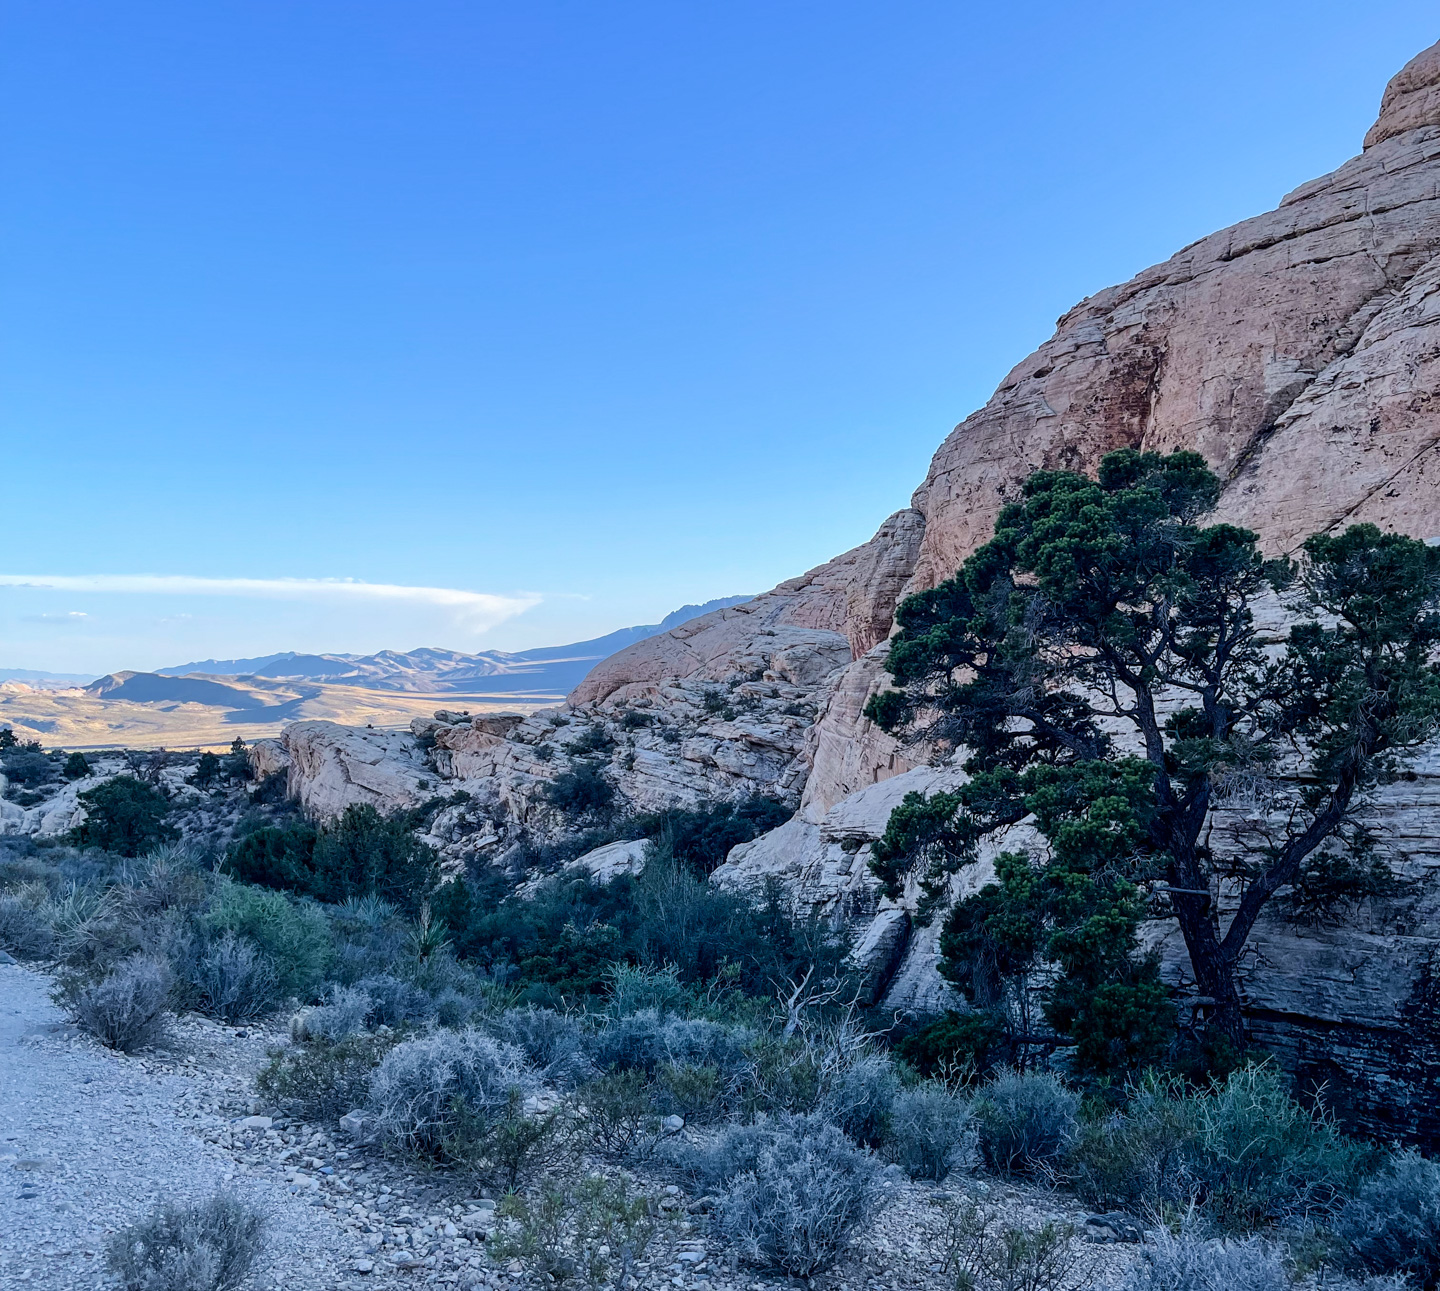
1112,1227
673,1124
363,1266
353,1123
255,1123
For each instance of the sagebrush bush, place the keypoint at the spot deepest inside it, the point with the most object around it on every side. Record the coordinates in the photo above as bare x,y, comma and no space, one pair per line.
645,1040
632,988
395,1003
343,1014
233,981
1393,1224
126,1009
1192,1263
552,1043
801,1193
426,1090
858,1096
1140,1157
209,1246
323,1081
24,931
930,1132
1024,1122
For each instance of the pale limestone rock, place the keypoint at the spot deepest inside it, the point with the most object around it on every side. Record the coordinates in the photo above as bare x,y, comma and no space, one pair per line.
331,767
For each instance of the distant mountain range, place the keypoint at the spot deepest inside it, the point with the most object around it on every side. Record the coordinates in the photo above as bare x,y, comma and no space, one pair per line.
551,671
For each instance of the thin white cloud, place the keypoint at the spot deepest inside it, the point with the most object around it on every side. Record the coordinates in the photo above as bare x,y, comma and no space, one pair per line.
473,610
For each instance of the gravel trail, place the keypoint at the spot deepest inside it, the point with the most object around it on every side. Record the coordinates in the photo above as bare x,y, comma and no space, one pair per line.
91,1140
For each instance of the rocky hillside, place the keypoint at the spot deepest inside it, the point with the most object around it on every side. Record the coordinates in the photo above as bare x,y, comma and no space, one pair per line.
1299,351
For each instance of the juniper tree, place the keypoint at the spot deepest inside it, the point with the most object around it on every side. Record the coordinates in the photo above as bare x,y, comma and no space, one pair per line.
1101,664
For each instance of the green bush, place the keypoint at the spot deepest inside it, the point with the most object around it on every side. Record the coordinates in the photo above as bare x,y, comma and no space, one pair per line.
76,767
125,816
323,1081
294,936
277,856
1243,1150
582,792
961,1047
1260,1157
703,836
360,854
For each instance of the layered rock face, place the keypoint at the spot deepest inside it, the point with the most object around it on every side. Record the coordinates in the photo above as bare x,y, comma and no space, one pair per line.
1299,351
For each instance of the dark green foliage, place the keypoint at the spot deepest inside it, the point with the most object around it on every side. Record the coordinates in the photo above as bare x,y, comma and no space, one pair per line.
361,853
27,767
703,836
76,767
125,816
236,763
322,1081
7,739
208,1246
958,1046
276,857
582,793
593,740
633,719
1093,600
207,771
561,943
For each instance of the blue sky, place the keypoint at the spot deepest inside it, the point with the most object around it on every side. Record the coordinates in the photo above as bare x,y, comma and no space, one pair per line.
560,315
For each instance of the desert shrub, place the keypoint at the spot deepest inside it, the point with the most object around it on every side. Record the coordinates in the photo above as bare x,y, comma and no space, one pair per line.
930,1132
24,931
702,837
126,1009
551,1042
1025,1122
620,1115
1138,1158
321,1081
76,767
393,1002
27,767
958,1047
233,981
126,816
293,935
1393,1224
452,1008
508,1148
275,856
364,853
593,739
209,1246
858,1096
982,1252
343,1014
695,1092
1260,1157
582,792
635,988
590,1231
426,1091
801,1193
1192,1263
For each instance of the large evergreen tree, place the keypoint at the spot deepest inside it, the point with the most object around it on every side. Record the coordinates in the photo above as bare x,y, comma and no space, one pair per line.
1100,662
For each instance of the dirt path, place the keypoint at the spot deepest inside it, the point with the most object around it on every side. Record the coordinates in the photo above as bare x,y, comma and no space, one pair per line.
90,1140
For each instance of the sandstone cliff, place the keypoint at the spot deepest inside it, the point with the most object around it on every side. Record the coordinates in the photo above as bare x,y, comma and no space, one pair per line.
1299,351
